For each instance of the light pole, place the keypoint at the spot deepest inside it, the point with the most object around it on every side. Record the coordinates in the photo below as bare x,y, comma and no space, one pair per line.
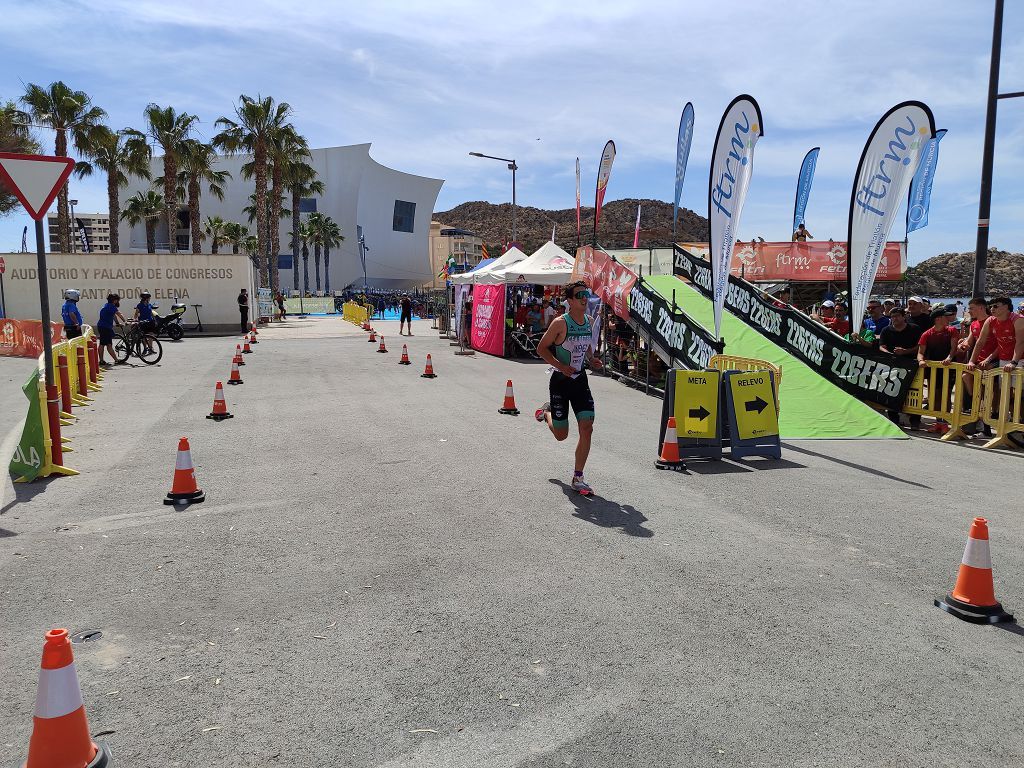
363,248
74,227
985,200
512,167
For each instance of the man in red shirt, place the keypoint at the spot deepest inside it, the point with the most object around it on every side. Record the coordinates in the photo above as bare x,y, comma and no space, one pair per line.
1007,327
939,343
838,323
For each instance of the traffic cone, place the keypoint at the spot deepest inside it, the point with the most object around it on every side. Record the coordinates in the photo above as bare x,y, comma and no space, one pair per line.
252,329
670,448
238,354
252,337
428,372
382,348
220,407
235,377
183,489
246,350
405,356
974,598
509,406
60,731
373,336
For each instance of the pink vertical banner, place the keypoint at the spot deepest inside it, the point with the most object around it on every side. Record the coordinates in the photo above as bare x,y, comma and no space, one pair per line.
488,332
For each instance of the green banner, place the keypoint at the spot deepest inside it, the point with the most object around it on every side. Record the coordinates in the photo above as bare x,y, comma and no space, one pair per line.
28,456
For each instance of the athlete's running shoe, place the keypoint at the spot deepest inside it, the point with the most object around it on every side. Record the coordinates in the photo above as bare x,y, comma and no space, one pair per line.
539,413
581,486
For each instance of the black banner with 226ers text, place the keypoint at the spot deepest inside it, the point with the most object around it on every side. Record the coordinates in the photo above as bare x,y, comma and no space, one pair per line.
864,372
676,334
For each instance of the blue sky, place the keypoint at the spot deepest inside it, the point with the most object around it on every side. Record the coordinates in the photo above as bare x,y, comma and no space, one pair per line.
546,82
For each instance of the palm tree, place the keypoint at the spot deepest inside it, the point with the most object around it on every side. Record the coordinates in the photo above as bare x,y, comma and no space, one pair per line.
330,236
317,225
302,181
235,234
214,230
14,137
145,208
287,147
306,236
170,130
64,110
258,121
119,154
198,165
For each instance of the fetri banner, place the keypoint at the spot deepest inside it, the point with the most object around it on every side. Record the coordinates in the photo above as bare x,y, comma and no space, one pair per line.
488,330
812,261
24,338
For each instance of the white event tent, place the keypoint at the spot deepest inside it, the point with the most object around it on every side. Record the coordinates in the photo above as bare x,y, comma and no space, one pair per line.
478,276
549,265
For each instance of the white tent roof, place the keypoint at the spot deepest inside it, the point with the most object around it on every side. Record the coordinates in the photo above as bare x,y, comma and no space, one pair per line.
486,275
549,265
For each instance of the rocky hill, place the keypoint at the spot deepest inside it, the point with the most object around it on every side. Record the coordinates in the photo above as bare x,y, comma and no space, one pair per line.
533,225
952,274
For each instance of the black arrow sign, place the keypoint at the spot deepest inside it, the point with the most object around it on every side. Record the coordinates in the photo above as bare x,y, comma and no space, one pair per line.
699,413
757,404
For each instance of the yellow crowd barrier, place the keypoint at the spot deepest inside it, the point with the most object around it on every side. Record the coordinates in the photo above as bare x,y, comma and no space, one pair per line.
354,312
939,392
734,363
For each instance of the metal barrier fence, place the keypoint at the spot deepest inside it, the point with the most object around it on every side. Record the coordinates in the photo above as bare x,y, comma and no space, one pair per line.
733,363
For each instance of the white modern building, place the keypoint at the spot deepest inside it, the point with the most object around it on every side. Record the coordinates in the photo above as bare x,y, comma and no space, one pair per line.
392,209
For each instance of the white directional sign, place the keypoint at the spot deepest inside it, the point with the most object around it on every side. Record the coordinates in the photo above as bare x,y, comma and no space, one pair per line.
34,179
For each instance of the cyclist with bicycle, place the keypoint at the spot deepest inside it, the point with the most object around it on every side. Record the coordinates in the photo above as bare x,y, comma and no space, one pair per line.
144,316
109,316
568,346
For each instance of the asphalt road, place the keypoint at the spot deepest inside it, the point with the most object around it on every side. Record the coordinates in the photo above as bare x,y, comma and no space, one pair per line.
387,572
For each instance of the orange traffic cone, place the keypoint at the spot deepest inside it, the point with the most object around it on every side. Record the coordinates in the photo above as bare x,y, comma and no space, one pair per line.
220,407
235,377
509,406
246,350
405,356
238,354
670,448
252,329
382,348
60,731
252,337
184,489
373,336
974,597
428,372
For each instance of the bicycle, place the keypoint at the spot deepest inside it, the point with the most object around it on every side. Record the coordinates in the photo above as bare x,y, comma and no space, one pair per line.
133,341
525,342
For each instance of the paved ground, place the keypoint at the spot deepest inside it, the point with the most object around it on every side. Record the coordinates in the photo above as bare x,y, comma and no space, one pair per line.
389,573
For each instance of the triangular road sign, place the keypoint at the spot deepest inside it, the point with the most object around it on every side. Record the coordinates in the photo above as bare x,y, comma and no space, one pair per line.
34,179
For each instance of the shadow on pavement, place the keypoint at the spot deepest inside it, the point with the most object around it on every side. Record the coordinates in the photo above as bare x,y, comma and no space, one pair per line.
1012,627
852,465
606,513
26,491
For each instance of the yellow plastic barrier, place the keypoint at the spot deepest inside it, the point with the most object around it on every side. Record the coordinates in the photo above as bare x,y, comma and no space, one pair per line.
945,396
734,363
354,312
1004,415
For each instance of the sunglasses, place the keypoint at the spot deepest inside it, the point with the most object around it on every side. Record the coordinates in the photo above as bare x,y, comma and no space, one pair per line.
583,295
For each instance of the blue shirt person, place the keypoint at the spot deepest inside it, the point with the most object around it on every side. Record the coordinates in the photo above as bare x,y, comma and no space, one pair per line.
70,314
109,314
144,310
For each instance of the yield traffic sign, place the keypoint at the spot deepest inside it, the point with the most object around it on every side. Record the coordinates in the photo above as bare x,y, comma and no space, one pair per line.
34,179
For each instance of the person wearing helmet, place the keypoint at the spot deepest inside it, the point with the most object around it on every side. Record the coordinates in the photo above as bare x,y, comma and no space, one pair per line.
69,312
144,316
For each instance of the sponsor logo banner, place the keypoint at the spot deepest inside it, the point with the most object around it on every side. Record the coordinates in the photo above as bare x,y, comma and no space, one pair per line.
603,173
682,155
921,187
732,164
688,343
488,329
887,166
865,373
24,338
812,261
803,186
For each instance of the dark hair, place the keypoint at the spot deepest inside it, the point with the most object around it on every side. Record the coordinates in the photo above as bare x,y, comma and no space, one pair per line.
898,310
1001,300
112,297
571,288
979,301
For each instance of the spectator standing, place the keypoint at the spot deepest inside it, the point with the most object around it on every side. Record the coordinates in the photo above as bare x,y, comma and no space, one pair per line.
548,313
917,315
109,315
900,339
783,298
534,318
939,343
280,305
802,235
876,320
1008,329
243,309
70,314
406,316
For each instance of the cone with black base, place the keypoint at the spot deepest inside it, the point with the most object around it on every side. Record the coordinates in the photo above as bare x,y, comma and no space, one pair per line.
382,348
974,598
184,489
238,354
428,372
252,338
373,336
246,350
509,406
235,378
220,406
669,458
405,356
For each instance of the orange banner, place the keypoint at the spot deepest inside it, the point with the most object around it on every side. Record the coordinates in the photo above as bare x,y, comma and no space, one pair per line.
24,338
814,261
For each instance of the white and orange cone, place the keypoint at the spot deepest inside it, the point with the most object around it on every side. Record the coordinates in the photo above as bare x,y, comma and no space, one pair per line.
252,329
246,350
220,406
428,372
974,597
669,458
184,489
238,354
236,378
405,356
382,348
509,406
60,731
252,337
373,336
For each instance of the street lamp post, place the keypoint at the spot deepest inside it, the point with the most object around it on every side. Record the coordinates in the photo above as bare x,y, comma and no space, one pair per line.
512,167
363,248
74,228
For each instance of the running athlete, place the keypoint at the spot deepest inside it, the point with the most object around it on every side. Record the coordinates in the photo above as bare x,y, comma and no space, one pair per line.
567,345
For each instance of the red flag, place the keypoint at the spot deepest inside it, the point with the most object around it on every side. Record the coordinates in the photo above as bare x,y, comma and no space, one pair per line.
636,230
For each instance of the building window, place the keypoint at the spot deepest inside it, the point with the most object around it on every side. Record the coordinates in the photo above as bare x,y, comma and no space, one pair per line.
307,205
405,215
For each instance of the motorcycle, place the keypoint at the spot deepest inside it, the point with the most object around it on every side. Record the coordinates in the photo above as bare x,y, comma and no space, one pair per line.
170,324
